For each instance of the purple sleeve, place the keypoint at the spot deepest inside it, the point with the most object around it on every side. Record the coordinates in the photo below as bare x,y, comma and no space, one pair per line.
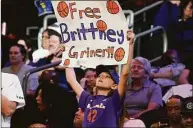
163,12
117,101
156,96
177,69
83,99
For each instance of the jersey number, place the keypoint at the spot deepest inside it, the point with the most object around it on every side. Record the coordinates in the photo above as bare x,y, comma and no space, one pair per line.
92,115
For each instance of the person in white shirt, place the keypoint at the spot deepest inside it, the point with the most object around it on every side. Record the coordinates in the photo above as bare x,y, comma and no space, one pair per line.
12,97
184,90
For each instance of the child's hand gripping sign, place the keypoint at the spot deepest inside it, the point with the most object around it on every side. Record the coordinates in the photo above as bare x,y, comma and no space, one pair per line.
94,32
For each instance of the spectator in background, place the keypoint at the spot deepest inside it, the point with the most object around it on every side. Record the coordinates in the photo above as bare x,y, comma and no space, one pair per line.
26,43
178,22
174,110
40,114
170,69
17,56
187,113
184,32
170,10
44,52
47,110
55,54
173,119
11,97
88,82
142,94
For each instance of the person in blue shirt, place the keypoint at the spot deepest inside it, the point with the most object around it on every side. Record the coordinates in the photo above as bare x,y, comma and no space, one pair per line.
103,109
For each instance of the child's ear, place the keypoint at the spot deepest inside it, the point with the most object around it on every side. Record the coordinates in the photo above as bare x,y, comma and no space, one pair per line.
114,87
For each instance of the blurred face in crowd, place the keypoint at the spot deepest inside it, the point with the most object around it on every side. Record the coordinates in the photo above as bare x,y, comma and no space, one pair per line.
91,78
39,97
54,43
174,109
45,40
187,121
137,70
188,10
104,81
78,119
39,101
15,55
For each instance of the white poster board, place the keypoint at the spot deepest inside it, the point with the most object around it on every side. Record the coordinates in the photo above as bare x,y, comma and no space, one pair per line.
94,32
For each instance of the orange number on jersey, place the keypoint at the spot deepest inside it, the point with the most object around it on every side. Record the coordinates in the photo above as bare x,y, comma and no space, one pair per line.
92,115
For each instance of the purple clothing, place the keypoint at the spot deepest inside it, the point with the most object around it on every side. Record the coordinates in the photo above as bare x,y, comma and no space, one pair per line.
100,111
137,101
167,14
170,17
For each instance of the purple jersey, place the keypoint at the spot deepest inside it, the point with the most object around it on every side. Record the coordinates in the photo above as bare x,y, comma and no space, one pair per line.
100,111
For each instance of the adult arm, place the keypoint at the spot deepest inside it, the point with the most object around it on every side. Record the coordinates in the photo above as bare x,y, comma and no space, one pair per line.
126,67
174,70
166,74
7,107
12,94
183,79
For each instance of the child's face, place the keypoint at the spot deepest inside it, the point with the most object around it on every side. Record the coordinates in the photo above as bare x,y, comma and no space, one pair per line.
105,81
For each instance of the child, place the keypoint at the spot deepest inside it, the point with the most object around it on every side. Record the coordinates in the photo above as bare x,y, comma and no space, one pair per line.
103,109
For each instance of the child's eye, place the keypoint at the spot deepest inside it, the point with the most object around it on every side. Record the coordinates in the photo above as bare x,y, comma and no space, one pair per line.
103,76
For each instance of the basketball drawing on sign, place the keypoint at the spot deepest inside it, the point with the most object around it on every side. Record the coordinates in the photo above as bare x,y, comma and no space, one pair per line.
112,7
119,54
101,25
66,62
62,9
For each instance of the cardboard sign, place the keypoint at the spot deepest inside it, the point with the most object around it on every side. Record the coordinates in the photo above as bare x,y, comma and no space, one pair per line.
94,32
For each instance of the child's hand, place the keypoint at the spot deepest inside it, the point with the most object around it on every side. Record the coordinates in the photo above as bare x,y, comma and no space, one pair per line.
130,36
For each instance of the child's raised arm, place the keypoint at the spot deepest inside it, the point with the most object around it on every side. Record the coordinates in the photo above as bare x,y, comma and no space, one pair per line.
71,78
126,67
